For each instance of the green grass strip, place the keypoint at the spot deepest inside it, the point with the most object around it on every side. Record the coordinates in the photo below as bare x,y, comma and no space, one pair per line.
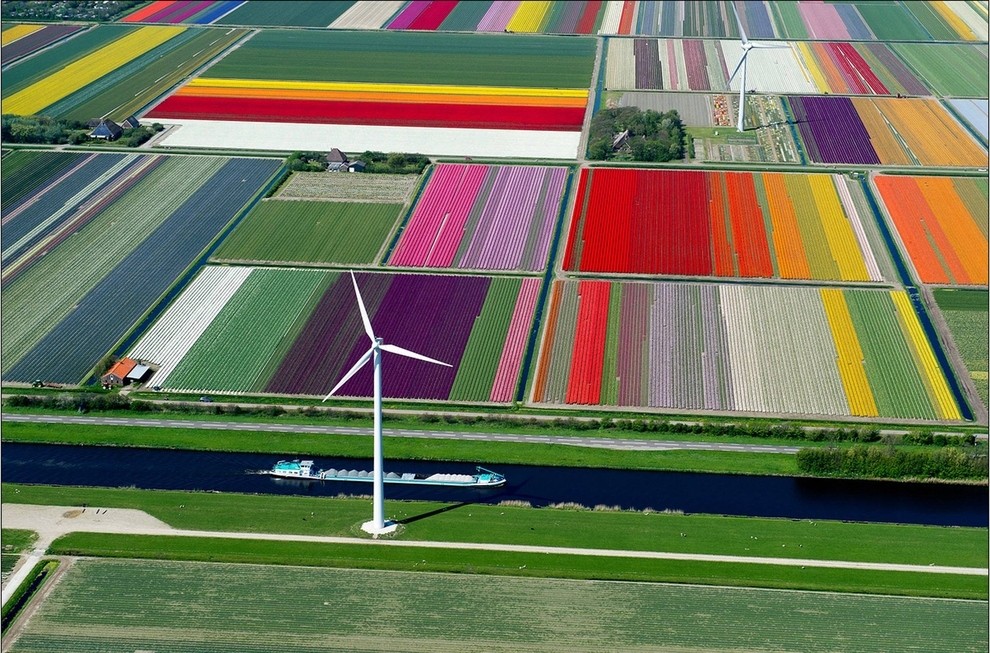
610,371
476,374
532,565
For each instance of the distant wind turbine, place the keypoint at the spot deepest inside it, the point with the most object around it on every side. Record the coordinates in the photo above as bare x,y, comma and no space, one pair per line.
377,525
747,45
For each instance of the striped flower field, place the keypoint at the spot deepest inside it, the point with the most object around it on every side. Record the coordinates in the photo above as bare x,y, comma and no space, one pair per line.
104,236
75,75
483,217
883,131
552,17
687,346
942,222
171,11
725,224
209,339
919,20
414,80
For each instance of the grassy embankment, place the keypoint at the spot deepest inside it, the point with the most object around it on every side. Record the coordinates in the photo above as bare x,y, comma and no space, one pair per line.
424,521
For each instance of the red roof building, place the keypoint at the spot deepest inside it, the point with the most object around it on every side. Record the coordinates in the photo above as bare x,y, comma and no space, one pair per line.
118,372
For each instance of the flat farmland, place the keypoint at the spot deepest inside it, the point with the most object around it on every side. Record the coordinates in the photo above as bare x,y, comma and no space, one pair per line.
758,225
20,40
483,217
228,607
555,17
318,13
730,348
348,188
942,222
420,81
72,68
883,131
301,231
108,222
838,68
966,313
208,339
128,90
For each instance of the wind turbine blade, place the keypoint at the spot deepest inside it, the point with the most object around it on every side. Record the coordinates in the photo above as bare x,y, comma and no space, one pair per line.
364,359
742,32
364,313
411,354
769,46
728,84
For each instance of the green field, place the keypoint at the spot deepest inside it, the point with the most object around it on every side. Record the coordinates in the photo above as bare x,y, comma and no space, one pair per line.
893,22
296,14
128,90
949,69
592,529
279,231
222,607
351,446
967,314
14,542
412,58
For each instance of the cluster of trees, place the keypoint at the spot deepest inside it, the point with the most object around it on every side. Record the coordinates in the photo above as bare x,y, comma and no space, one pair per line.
42,129
951,463
396,163
52,131
65,9
307,161
652,135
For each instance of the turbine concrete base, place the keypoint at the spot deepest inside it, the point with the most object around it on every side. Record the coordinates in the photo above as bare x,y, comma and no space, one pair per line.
387,528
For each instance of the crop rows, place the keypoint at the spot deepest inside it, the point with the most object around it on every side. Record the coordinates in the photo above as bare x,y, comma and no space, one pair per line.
965,312
311,232
392,189
131,87
942,222
875,131
169,340
805,19
975,114
141,241
713,347
312,13
227,607
313,333
557,17
367,15
483,217
21,40
25,171
359,103
758,225
74,76
170,11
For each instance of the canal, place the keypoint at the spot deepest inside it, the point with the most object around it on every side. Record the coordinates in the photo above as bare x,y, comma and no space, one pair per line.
720,494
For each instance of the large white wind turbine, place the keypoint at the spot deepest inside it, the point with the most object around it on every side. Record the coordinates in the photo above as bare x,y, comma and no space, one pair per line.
747,45
377,525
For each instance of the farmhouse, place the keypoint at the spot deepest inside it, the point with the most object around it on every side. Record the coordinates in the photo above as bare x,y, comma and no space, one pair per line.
107,130
336,161
117,374
356,166
130,123
124,371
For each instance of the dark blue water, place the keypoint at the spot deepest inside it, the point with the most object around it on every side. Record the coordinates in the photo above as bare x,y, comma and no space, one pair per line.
721,494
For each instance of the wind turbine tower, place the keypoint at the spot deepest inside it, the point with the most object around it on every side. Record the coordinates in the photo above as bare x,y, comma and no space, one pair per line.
377,526
746,45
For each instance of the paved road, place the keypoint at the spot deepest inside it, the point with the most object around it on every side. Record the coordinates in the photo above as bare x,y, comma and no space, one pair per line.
53,521
589,441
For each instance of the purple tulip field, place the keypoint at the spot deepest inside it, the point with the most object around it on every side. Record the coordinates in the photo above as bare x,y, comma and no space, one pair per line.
209,339
105,236
483,217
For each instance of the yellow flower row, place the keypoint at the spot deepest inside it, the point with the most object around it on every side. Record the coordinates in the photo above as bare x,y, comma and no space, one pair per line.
838,232
372,87
850,362
86,70
810,62
17,32
529,17
953,20
935,382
